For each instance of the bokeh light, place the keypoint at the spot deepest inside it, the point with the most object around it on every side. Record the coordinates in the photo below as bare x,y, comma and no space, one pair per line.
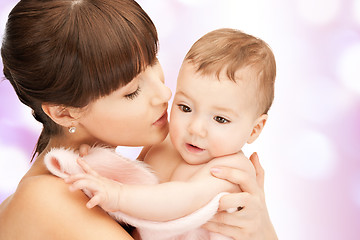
320,99
356,11
349,67
192,3
322,161
318,12
13,167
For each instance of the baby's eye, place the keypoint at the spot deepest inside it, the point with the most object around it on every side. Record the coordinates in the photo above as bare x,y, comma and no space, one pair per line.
184,108
221,119
133,95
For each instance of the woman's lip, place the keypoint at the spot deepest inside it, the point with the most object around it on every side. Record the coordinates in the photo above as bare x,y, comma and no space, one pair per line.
162,120
193,149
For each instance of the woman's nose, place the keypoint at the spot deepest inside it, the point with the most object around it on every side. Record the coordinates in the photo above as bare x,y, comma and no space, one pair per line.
197,127
162,94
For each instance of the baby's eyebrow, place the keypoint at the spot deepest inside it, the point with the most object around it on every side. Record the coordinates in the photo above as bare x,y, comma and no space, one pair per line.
227,110
216,108
182,93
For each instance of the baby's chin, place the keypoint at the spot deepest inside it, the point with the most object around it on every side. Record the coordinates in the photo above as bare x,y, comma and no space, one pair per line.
195,160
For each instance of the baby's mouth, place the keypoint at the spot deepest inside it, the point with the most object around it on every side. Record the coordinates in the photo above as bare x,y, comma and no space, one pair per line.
193,149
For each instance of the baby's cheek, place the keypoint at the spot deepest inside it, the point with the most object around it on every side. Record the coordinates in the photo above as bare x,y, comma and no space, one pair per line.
224,146
219,148
175,135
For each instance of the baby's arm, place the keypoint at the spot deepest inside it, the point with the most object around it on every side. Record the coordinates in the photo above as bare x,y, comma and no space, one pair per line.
160,202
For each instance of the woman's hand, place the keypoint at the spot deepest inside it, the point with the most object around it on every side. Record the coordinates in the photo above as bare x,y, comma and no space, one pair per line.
251,221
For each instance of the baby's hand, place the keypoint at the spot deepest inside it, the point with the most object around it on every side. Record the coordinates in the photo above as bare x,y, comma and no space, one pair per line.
105,192
84,150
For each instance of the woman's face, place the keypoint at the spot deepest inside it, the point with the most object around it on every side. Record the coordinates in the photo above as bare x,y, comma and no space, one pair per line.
133,115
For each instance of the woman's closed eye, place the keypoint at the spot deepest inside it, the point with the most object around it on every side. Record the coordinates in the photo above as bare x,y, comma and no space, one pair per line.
184,108
221,119
133,95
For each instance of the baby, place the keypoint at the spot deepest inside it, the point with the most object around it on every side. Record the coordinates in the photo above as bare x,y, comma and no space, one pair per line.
224,90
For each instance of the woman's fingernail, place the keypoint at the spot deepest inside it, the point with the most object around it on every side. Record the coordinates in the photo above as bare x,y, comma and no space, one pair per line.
215,170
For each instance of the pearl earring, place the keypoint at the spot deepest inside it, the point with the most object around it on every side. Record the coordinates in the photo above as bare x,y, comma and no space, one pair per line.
72,129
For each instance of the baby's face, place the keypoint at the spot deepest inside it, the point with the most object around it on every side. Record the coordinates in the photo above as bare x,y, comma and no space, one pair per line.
210,117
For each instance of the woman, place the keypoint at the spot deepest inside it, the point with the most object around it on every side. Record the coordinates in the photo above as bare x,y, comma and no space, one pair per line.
88,69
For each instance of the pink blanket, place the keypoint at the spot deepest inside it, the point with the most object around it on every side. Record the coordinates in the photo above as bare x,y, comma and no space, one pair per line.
108,163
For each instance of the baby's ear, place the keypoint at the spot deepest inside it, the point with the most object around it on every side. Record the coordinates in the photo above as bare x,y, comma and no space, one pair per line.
257,128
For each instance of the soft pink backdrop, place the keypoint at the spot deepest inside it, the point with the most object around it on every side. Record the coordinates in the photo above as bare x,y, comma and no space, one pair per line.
310,146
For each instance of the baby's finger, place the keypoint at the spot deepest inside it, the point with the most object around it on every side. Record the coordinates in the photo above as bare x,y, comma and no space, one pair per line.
73,188
95,200
83,184
86,167
84,150
73,178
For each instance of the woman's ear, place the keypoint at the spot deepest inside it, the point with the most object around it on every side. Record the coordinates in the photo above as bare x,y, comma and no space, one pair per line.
257,128
64,116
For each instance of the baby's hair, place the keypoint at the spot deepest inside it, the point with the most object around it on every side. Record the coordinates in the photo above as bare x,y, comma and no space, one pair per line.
72,52
230,50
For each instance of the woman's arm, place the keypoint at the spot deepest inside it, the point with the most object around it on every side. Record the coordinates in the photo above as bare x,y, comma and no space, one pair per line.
252,222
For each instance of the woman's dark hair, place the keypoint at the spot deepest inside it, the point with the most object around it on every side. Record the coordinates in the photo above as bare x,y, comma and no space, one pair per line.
71,52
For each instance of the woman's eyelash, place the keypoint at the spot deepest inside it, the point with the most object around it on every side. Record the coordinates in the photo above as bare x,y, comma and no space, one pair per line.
133,95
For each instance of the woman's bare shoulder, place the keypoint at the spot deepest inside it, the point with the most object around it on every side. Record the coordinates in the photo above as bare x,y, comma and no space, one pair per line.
42,206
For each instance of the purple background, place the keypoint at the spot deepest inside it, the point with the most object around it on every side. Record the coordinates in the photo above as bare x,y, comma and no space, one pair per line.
310,146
